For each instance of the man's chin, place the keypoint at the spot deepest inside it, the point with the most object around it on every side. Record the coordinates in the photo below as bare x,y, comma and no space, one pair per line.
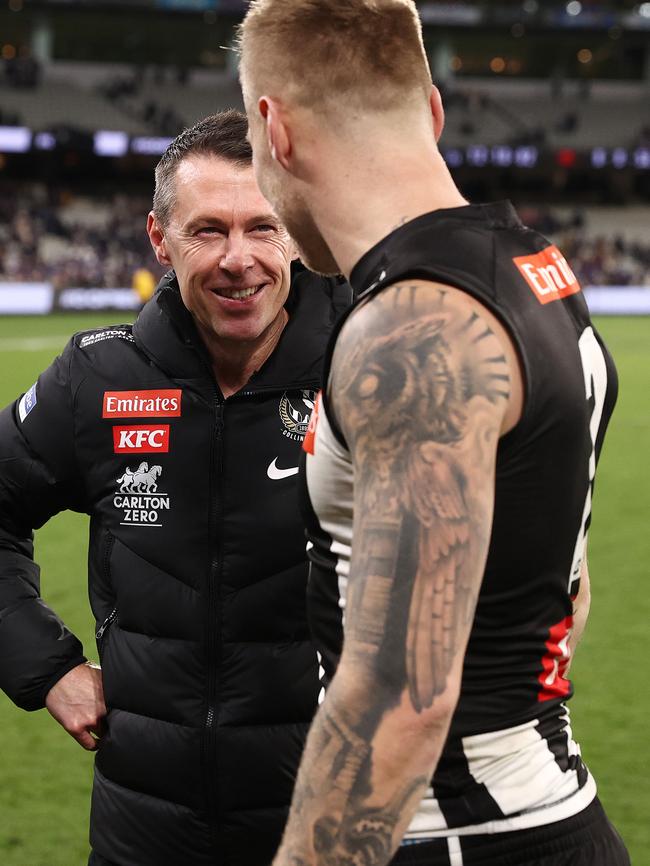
320,261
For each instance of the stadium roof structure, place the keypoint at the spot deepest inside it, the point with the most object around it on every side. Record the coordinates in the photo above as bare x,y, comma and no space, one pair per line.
557,13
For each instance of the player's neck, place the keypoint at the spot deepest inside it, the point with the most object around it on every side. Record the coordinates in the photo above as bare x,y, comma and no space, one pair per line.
376,196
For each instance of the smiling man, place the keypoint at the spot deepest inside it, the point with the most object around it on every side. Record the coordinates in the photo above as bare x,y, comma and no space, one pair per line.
179,436
231,255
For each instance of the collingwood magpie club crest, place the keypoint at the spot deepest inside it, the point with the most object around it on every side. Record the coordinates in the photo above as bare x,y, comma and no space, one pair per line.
138,497
295,413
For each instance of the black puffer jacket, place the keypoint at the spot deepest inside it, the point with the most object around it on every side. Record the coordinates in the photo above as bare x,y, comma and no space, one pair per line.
197,574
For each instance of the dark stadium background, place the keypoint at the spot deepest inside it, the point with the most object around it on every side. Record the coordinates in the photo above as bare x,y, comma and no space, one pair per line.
548,104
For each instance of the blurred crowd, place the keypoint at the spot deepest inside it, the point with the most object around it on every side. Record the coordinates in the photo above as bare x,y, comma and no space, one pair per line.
596,259
51,235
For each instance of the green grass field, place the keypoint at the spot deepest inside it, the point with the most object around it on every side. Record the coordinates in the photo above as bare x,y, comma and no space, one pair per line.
45,776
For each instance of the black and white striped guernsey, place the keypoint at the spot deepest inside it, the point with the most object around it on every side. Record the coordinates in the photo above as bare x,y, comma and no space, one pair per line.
510,761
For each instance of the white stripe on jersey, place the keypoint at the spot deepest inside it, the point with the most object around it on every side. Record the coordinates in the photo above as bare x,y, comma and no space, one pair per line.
521,775
334,503
455,853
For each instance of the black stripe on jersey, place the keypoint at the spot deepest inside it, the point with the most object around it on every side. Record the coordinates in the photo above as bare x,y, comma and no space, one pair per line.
475,804
553,729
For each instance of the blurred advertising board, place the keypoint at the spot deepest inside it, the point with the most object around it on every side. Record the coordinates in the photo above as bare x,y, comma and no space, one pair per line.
38,299
26,298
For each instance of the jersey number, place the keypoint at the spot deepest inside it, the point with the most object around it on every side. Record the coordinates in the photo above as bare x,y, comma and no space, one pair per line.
594,369
556,659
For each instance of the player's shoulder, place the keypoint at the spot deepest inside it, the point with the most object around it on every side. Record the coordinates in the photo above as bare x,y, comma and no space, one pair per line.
419,334
407,307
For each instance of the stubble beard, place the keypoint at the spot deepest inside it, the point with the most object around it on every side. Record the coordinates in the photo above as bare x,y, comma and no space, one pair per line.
312,246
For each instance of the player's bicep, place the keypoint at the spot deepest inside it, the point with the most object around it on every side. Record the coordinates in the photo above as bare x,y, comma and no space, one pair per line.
421,387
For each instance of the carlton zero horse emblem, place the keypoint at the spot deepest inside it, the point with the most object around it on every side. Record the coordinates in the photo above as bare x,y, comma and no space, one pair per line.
143,480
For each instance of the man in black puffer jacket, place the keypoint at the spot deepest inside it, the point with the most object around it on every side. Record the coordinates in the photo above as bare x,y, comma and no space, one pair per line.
180,437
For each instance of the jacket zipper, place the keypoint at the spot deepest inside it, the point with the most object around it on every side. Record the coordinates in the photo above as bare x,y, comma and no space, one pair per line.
213,631
101,631
99,634
106,568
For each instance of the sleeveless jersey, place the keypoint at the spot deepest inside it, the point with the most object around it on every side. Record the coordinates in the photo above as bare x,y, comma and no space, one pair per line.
510,761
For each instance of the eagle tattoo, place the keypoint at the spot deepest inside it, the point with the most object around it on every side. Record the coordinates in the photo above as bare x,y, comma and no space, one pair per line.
409,412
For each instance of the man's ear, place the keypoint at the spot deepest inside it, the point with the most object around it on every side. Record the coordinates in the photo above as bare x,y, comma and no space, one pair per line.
278,135
437,112
157,238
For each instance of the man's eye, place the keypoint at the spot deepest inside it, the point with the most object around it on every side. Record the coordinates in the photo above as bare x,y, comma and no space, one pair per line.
208,230
264,227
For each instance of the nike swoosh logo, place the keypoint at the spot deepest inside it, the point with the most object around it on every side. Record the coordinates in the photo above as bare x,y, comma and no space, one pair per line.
276,474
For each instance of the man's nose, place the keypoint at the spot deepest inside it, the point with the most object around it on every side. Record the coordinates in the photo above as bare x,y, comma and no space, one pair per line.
236,257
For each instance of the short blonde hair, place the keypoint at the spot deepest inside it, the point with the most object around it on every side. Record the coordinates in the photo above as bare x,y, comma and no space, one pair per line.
335,53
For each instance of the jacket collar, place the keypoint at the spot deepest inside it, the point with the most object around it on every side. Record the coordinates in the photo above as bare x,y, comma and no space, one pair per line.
166,332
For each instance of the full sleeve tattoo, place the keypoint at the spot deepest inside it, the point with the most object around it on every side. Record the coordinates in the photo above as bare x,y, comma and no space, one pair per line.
420,384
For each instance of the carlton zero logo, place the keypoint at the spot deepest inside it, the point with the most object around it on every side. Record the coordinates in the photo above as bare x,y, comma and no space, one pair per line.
548,274
142,404
138,497
142,438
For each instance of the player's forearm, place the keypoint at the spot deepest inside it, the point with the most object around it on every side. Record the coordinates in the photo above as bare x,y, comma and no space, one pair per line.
368,761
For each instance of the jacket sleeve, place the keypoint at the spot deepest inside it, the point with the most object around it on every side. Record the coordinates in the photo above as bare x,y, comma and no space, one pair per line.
37,480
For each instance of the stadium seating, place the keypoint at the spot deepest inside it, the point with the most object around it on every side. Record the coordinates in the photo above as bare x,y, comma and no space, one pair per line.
479,110
99,241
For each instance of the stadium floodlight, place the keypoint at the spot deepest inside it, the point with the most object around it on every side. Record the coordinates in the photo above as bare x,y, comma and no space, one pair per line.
641,157
502,155
454,157
44,141
574,8
619,157
15,139
599,157
478,155
526,156
148,145
109,142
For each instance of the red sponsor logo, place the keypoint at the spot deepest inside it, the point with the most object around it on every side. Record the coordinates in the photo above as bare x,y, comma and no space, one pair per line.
142,438
142,404
548,274
309,441
555,662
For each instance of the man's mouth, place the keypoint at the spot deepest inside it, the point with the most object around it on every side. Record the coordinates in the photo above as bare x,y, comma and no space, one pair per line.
234,294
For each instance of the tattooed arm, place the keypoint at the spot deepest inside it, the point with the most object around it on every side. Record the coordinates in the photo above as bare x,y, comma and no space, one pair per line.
422,385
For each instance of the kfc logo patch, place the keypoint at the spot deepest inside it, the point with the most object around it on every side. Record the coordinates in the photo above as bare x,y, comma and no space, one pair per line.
548,274
142,404
141,438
